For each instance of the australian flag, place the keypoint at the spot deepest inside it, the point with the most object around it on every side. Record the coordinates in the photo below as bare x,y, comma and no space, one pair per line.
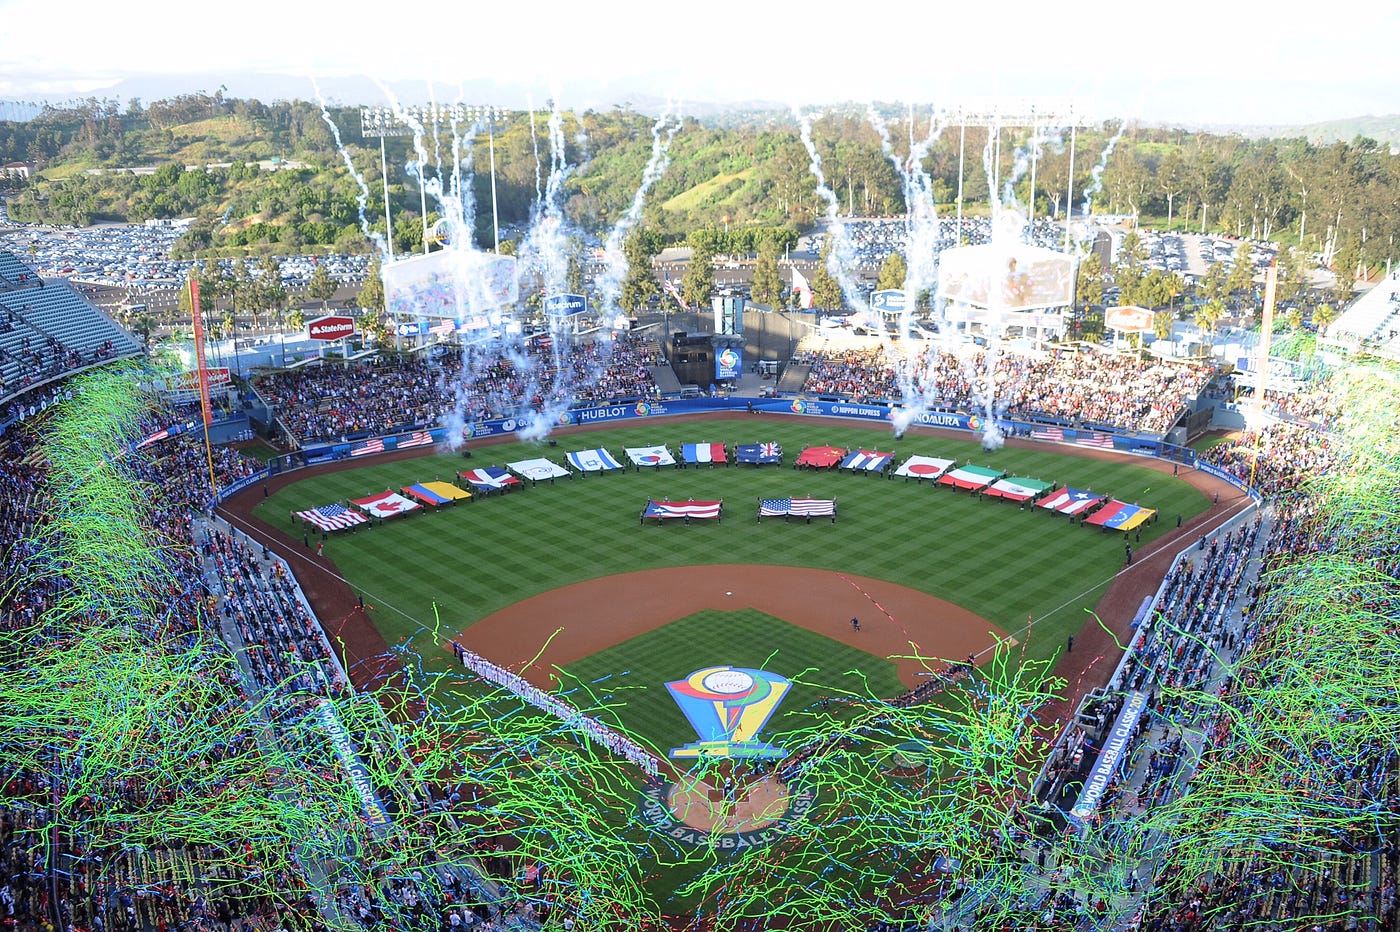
758,453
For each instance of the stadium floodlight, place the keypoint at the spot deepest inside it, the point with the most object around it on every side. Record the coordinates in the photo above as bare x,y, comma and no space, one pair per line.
489,115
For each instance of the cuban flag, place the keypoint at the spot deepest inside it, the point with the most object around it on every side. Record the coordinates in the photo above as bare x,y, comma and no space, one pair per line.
703,452
1069,501
867,460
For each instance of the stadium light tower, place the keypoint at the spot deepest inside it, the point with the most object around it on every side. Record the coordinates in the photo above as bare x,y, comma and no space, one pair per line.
381,122
489,115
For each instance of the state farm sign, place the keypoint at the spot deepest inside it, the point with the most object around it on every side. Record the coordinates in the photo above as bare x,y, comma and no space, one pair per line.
330,327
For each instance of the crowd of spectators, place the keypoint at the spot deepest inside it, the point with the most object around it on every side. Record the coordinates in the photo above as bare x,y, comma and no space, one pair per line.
1090,389
333,402
1275,460
34,357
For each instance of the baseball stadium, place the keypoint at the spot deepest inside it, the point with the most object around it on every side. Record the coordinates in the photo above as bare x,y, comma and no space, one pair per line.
645,624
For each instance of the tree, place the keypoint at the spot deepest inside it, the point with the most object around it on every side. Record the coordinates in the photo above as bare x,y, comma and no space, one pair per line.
1207,316
1323,316
322,286
296,318
1241,277
893,271
639,285
1088,287
1171,179
371,296
767,285
826,290
1162,325
699,281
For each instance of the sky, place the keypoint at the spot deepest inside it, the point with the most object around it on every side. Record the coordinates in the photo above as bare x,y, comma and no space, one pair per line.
1186,62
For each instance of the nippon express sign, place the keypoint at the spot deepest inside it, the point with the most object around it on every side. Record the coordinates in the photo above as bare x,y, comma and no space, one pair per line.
331,327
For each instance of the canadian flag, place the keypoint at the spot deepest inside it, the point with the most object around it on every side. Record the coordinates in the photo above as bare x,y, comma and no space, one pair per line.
804,290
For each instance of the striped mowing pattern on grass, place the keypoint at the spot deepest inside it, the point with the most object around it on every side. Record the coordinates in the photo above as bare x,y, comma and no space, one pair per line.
988,556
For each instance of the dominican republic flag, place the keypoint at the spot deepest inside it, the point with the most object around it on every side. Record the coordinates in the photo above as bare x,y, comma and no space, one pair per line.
374,446
419,438
1016,489
490,477
682,509
867,460
758,453
923,467
799,507
593,460
1120,516
650,456
386,504
1095,439
1069,501
332,517
1047,433
703,453
970,477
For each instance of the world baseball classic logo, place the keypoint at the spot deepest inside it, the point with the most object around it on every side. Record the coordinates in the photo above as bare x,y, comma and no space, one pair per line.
727,706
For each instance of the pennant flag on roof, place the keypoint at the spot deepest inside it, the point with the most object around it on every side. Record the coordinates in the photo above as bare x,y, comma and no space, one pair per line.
489,478
758,453
386,504
1120,516
867,460
650,456
923,467
690,509
1016,489
598,460
334,517
970,477
704,453
1069,501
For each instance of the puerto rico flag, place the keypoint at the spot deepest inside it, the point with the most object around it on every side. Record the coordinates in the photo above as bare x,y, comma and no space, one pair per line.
419,438
374,446
332,517
682,509
703,452
1069,501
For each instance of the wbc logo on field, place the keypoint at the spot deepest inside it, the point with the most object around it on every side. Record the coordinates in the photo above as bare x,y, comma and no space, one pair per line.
727,706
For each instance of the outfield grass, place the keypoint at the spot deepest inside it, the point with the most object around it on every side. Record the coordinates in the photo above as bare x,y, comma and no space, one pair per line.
987,556
629,678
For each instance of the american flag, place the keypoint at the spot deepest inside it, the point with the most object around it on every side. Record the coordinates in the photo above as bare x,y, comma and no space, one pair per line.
1095,439
1048,433
801,507
332,517
420,438
374,446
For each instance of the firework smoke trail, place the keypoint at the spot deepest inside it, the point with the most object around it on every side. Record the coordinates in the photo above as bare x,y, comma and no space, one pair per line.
842,254
535,147
921,247
1096,176
609,281
361,199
